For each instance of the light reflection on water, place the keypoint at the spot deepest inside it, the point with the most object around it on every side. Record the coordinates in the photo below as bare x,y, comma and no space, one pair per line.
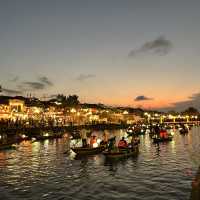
41,170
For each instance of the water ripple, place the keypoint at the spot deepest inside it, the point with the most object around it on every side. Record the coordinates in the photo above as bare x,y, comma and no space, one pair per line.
40,170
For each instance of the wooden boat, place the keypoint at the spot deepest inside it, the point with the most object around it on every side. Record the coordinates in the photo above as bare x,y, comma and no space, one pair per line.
88,150
136,132
183,131
121,153
158,140
130,131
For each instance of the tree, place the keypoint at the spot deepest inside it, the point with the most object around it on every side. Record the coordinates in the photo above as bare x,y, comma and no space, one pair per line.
191,111
173,112
61,98
72,101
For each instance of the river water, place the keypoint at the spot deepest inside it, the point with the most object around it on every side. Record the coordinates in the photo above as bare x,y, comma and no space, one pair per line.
41,170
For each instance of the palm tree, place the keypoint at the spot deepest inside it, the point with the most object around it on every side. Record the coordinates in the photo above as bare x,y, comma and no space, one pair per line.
69,101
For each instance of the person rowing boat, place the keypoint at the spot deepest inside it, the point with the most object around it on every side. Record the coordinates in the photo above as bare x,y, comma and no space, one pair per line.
122,143
123,149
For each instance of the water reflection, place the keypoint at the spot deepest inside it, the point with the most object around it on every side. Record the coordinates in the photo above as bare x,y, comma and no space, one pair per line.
41,170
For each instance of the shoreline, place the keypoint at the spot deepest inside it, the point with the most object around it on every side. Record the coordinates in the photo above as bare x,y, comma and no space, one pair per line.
14,135
63,128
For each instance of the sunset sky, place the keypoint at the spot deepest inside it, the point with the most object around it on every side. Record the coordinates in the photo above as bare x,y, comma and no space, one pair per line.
142,53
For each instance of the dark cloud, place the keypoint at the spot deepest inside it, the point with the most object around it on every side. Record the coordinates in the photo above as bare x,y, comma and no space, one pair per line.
142,98
159,46
83,77
45,80
193,101
33,85
41,83
11,92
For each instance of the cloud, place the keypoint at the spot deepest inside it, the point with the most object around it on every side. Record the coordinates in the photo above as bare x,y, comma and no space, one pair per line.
159,46
33,85
83,77
11,92
193,101
45,80
142,98
41,83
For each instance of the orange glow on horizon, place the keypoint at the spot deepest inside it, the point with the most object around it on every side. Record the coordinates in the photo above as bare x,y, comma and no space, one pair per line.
148,104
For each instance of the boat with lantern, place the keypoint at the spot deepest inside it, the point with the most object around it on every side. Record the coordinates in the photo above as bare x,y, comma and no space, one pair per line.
46,136
138,130
163,136
95,146
130,130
